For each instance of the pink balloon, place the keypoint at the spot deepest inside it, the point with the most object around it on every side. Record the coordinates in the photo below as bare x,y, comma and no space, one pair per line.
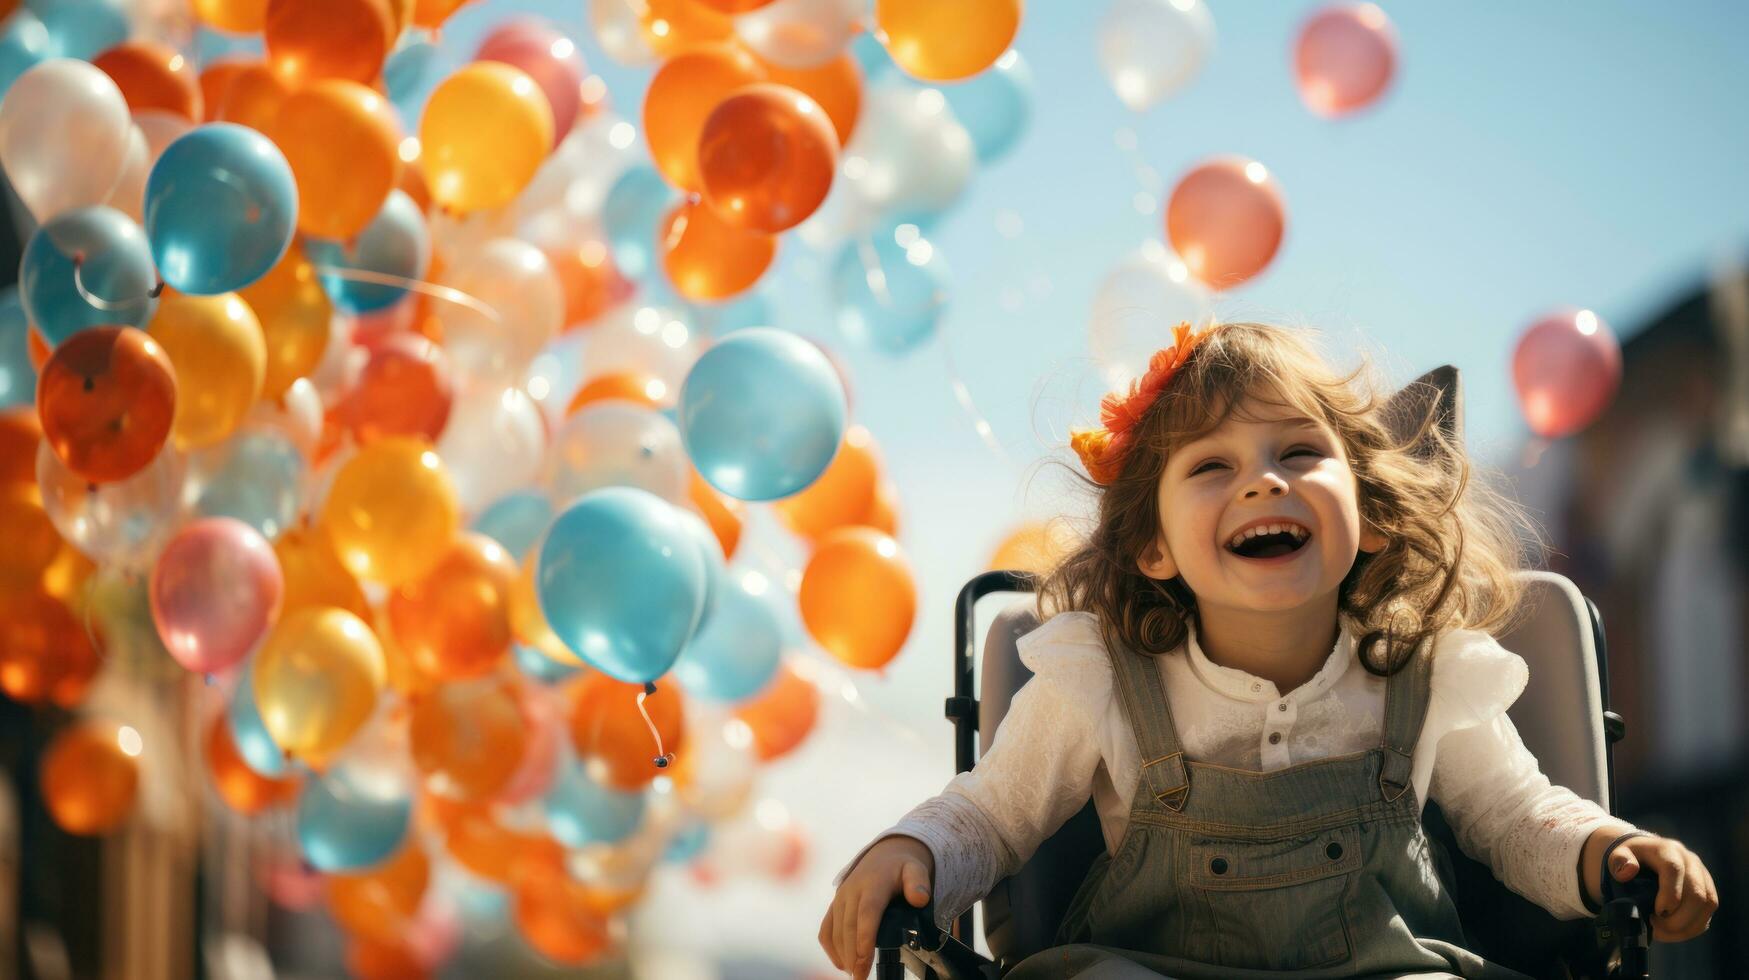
1566,368
1225,220
214,591
550,58
540,756
1345,58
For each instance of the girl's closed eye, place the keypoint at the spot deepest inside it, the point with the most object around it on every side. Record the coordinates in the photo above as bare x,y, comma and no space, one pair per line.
1301,451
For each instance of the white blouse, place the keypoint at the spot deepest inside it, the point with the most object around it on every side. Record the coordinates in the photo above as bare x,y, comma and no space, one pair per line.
1065,738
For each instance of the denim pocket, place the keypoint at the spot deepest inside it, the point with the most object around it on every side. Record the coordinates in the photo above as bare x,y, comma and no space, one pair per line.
1277,905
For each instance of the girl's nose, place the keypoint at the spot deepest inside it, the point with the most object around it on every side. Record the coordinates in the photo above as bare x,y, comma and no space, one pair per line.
1266,484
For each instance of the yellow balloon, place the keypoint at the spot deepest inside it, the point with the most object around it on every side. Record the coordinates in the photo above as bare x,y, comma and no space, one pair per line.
316,680
294,313
947,40
527,621
392,511
236,16
485,131
215,345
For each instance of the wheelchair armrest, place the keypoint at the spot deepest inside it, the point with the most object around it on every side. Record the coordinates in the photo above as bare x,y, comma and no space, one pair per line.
909,939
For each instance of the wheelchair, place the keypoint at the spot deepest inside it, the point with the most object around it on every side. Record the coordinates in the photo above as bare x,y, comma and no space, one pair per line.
1563,717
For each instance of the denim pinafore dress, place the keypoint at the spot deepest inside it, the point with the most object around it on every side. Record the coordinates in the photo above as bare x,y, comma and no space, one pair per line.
1320,870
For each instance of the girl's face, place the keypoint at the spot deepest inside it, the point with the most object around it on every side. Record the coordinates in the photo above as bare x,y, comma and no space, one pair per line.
1260,515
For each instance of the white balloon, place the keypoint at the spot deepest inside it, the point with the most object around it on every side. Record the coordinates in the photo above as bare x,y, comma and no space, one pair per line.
620,32
1136,308
297,413
122,523
651,341
618,444
129,196
161,128
494,442
65,134
1150,49
511,306
574,181
801,33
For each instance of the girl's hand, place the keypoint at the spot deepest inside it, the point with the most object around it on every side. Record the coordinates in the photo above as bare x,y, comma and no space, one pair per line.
895,864
1687,897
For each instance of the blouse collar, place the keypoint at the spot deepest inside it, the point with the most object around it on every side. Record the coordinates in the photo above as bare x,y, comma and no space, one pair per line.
1244,686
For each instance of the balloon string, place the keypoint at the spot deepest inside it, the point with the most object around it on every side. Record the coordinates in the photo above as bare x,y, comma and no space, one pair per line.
98,302
432,289
663,757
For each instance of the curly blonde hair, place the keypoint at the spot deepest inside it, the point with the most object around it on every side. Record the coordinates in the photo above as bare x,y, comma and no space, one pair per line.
1452,543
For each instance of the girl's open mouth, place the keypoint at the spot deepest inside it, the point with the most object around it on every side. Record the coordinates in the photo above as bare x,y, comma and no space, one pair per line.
1272,543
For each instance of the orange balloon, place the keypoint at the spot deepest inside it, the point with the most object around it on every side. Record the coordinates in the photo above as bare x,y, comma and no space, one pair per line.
1225,220
66,576
467,739
343,143
1034,547
482,845
555,915
252,96
36,348
485,131
840,496
215,83
679,100
941,41
883,511
591,282
88,779
454,621
31,539
314,576
236,16
723,513
379,903
404,390
527,620
106,399
673,26
766,156
391,511
782,715
152,76
610,735
295,314
412,182
45,652
858,597
242,788
733,6
311,39
391,959
432,13
836,85
20,434
623,385
709,259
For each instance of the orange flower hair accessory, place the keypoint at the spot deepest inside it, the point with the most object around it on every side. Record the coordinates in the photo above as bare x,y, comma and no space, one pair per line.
1104,449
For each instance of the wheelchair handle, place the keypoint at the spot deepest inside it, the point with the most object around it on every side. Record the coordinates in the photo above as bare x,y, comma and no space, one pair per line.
1625,924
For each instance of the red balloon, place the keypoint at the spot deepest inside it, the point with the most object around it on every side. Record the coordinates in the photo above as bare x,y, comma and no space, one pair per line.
550,58
1344,58
766,155
404,390
1566,368
1225,220
106,399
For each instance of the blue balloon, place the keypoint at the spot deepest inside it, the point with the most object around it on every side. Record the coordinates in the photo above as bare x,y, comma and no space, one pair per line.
631,214
114,267
540,667
82,28
256,747
581,811
761,413
516,520
343,827
17,377
736,649
221,207
889,297
395,243
994,105
23,43
687,844
621,582
256,477
411,73
710,548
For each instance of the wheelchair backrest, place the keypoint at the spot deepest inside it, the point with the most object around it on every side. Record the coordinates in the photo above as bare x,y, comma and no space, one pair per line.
1559,716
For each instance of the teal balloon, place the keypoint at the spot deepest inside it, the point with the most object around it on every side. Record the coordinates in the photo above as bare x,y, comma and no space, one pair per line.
621,582
630,215
23,43
341,827
221,207
710,549
889,298
256,747
82,28
114,268
256,477
411,73
17,377
736,650
581,811
994,105
687,844
541,668
516,520
395,242
761,413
